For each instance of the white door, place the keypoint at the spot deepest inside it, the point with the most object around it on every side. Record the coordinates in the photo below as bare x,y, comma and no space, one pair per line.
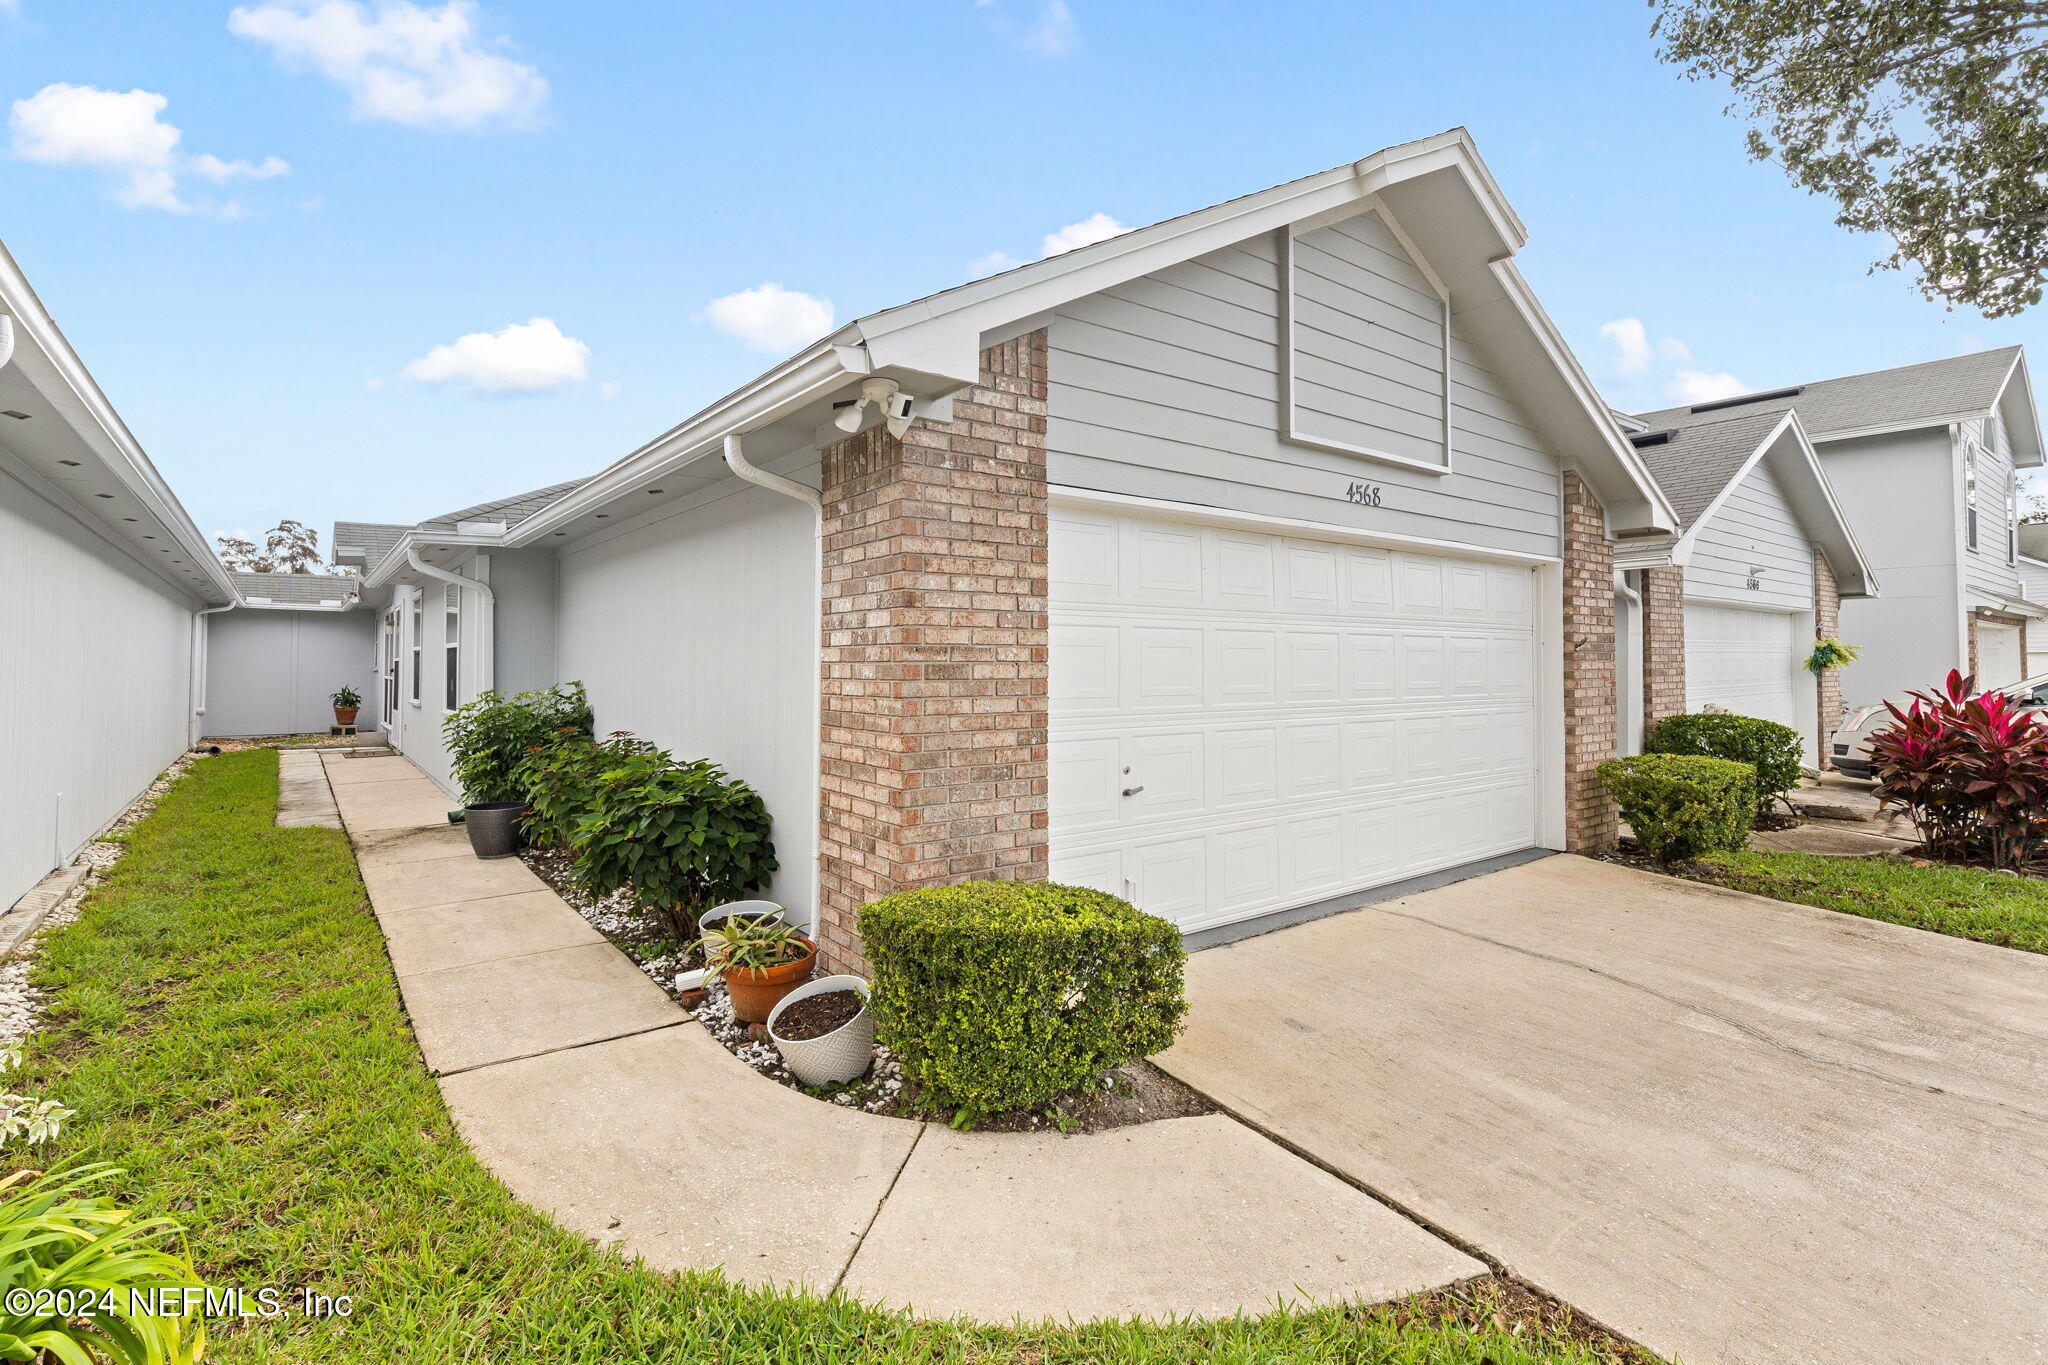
1998,655
1242,722
1745,661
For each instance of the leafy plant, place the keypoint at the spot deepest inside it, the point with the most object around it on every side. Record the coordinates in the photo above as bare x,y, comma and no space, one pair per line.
558,780
487,737
1772,750
750,944
1682,805
58,1237
1002,995
24,1116
1830,653
346,696
1970,771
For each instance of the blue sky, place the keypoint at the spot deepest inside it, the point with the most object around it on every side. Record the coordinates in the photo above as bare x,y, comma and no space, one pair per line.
276,299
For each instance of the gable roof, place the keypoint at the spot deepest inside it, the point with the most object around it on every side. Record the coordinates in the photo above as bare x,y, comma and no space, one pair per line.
1438,187
364,542
1931,393
511,511
296,589
1701,465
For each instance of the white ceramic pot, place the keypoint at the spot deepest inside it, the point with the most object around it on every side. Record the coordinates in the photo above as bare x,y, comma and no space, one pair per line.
839,1056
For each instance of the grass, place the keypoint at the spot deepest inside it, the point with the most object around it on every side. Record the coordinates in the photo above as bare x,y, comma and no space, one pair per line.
226,1025
1965,902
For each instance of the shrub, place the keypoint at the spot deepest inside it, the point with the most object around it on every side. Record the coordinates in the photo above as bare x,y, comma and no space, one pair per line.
684,836
1001,995
1682,805
1773,750
488,737
1971,772
559,780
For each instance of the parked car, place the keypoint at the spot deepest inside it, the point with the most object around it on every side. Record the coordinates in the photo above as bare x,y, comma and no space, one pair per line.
1852,741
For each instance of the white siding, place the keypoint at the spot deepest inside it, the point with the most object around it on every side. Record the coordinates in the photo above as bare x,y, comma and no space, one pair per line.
1169,386
1989,568
697,630
96,671
1754,529
273,672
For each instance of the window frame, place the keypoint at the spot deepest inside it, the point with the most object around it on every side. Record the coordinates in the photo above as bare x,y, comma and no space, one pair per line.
419,612
451,613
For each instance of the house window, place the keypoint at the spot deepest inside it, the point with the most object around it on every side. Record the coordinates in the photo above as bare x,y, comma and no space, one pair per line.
2012,517
390,665
1970,493
418,628
452,614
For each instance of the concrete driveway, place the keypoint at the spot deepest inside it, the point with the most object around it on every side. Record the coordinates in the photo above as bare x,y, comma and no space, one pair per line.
1731,1128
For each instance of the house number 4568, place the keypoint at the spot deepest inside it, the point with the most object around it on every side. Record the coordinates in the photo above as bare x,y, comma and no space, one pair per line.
1364,494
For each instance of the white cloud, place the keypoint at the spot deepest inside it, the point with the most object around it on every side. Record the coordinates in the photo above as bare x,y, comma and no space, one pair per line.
122,132
521,357
1668,362
1097,227
995,263
404,63
771,318
1703,386
1631,341
608,390
1048,32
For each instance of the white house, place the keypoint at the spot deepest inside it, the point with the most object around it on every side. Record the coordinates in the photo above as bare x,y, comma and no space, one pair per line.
106,583
275,661
1236,564
1726,613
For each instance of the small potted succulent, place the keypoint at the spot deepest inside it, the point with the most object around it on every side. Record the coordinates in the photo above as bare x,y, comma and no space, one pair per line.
825,1030
346,703
762,960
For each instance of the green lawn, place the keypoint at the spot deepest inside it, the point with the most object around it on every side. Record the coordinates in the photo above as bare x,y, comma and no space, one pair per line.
227,1027
1987,906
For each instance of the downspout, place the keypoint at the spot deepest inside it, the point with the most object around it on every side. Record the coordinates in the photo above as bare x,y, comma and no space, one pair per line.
487,634
199,654
736,460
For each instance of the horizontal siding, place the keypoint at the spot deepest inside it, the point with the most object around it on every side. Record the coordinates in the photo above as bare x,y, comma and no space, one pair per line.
274,672
1169,386
1755,528
1987,568
96,671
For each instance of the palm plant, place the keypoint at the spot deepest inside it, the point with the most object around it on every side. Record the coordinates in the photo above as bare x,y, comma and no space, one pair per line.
751,944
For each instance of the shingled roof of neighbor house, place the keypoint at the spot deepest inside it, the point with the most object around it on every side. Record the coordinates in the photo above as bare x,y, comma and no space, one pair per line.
1693,464
2034,540
1930,391
296,589
511,511
364,542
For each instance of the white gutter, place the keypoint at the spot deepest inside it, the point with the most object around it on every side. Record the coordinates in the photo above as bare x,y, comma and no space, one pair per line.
736,460
6,339
486,630
198,680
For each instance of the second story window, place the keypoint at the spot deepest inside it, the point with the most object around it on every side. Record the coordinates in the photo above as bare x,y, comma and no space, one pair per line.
1970,458
2012,517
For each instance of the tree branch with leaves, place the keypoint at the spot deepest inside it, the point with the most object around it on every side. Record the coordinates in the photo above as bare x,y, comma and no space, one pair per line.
288,547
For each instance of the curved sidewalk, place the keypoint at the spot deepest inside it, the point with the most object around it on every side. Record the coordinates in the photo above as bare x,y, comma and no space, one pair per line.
594,1096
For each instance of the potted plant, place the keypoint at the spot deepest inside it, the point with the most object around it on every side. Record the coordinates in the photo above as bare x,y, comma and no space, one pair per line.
761,960
346,702
824,1030
719,916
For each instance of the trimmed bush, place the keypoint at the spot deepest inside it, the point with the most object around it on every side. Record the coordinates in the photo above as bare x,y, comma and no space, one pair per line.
1002,995
1773,750
1682,805
488,737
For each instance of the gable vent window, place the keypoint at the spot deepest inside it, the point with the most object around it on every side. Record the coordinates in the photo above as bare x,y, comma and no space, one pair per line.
453,615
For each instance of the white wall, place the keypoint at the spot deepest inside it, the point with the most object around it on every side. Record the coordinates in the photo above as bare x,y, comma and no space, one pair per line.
1755,528
272,672
1990,566
95,668
696,629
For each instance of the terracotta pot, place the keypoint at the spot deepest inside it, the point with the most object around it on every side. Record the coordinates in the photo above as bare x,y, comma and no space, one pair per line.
754,994
345,715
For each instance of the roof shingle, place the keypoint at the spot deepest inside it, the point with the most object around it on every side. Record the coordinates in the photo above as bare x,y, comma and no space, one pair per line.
1930,390
297,589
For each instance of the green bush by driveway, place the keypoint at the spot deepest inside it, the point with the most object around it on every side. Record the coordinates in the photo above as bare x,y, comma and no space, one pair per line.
1991,907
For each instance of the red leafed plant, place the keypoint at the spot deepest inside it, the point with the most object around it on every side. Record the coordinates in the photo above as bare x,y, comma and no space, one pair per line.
1971,771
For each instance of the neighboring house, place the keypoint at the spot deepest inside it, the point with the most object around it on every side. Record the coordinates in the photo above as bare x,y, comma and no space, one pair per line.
1726,613
1923,460
293,641
1235,564
2033,567
106,578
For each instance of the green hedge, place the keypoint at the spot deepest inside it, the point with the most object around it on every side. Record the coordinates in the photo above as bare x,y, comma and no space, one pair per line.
1775,751
1682,805
1002,995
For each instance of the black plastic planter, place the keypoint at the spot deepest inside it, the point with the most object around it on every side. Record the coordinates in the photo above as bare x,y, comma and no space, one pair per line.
494,828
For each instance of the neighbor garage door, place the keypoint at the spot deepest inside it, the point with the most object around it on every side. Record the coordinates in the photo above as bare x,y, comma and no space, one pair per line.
1743,661
1242,723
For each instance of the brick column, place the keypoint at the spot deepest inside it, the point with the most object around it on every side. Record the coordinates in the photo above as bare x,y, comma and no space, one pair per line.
1663,645
1590,734
1827,625
934,677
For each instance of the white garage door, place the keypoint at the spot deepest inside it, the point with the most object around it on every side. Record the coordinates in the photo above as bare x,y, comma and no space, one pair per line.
1743,661
1998,655
1242,723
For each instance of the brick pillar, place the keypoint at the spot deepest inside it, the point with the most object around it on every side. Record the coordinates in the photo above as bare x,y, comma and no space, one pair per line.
1971,666
934,678
1663,645
1590,734
1827,625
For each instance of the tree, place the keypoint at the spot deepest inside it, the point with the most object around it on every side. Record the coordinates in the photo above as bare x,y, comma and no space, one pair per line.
288,547
1921,119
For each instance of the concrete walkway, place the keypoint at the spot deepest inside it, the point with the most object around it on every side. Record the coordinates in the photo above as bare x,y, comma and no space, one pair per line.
303,797
593,1096
1731,1128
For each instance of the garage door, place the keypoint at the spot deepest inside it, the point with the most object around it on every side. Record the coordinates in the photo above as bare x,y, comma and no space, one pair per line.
1998,655
1242,723
1743,661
